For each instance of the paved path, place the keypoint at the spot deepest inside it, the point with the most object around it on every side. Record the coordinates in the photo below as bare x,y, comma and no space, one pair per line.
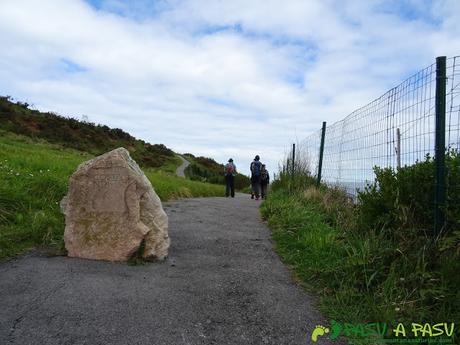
222,284
180,171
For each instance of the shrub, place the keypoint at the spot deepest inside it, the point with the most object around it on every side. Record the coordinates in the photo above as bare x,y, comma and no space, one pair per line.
404,198
376,259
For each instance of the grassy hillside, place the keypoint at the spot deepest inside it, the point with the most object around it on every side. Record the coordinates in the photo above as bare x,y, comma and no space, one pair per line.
33,179
208,170
83,136
16,117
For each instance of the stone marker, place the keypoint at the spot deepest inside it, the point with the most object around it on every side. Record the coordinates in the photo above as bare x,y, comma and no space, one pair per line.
110,208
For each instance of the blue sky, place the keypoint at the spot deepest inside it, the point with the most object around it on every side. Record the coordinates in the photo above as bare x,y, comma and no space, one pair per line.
218,78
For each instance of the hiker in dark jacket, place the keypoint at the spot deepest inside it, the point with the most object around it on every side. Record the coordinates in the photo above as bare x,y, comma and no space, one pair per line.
256,168
230,173
264,181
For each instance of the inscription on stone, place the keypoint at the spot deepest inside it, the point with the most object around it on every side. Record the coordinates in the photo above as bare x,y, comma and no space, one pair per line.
110,208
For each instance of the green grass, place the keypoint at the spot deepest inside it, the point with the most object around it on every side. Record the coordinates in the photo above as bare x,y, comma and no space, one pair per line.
33,179
361,275
303,238
84,136
170,187
169,166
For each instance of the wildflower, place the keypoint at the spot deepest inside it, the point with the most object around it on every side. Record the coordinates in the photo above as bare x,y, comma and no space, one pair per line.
397,309
17,174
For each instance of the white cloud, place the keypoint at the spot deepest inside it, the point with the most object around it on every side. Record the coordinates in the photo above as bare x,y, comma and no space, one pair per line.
228,78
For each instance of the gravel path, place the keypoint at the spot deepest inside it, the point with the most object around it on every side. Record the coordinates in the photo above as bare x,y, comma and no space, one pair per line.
180,171
222,284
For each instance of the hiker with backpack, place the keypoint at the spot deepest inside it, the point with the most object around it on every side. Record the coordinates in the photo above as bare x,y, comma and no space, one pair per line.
264,181
230,173
256,168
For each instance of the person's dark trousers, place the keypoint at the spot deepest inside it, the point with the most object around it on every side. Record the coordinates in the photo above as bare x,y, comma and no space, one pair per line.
263,190
230,189
255,181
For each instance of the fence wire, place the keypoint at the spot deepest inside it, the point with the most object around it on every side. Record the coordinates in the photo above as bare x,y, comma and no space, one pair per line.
396,129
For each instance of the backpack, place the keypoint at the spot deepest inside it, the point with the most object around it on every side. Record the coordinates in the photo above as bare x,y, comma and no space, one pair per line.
264,176
229,169
255,168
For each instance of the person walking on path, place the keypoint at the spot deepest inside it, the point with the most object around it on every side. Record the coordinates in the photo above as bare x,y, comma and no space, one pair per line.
264,181
230,173
256,167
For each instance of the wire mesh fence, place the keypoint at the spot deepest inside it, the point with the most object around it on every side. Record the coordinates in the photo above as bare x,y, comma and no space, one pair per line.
395,130
453,133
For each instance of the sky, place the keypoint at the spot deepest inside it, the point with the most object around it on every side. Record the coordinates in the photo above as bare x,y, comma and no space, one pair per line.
219,79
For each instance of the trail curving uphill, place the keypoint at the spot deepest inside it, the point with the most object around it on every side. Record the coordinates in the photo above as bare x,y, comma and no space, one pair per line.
180,171
222,284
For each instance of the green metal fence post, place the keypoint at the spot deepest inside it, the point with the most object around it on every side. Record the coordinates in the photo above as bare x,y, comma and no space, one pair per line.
440,145
293,160
321,150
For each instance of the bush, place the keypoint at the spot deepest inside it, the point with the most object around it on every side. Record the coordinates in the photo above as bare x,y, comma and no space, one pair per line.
376,259
404,199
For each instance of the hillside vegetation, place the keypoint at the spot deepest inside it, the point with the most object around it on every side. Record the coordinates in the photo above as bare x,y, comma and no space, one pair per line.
34,178
208,170
84,136
38,153
17,117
